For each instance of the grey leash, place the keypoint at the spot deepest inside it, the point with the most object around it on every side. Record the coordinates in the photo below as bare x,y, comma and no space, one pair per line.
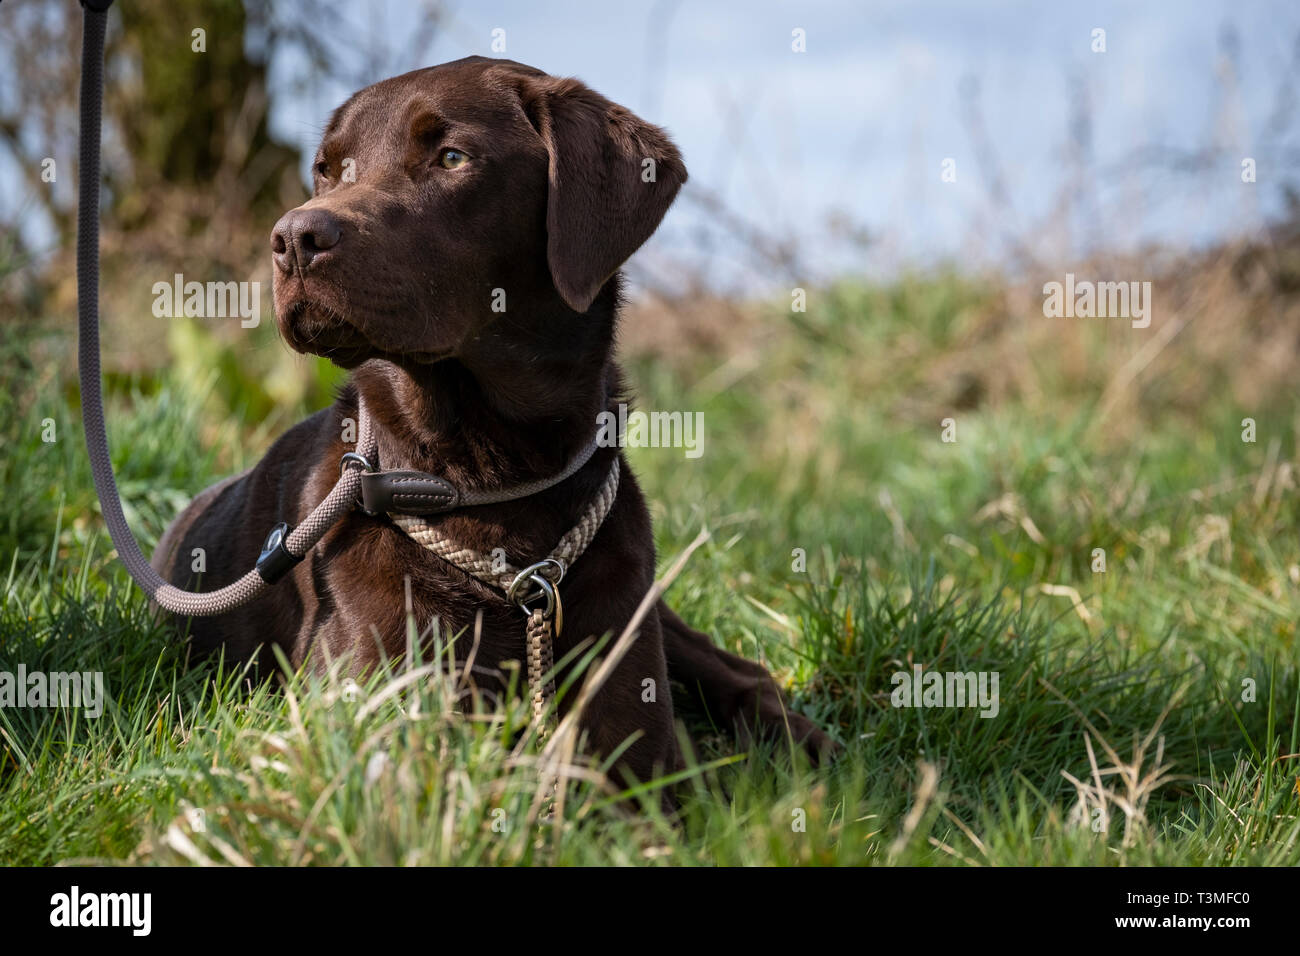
285,548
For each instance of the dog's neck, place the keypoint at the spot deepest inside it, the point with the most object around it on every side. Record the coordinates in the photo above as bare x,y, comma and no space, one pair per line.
516,403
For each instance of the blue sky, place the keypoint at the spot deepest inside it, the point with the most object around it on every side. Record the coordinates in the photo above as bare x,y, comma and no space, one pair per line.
860,123
858,126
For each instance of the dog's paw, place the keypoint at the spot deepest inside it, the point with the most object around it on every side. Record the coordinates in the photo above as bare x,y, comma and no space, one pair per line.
822,749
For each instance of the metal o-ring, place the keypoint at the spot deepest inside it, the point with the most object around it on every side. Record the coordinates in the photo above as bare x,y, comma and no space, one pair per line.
359,459
544,589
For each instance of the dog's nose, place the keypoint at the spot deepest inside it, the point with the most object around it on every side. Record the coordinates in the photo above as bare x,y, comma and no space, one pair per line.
301,236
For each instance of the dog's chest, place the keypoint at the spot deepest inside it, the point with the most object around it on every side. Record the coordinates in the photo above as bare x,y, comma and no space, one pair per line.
385,595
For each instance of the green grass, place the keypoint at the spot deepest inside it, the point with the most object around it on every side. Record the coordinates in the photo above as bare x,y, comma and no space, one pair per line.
824,438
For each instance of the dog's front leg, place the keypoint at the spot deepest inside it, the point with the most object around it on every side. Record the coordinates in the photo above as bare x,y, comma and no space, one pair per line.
635,702
735,691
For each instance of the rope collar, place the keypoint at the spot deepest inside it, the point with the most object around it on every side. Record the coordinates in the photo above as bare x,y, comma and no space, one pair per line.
500,574
421,493
535,589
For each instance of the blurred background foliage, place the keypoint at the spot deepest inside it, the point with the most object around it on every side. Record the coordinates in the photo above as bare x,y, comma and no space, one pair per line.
193,181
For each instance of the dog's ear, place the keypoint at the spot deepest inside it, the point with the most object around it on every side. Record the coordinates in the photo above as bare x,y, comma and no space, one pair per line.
612,178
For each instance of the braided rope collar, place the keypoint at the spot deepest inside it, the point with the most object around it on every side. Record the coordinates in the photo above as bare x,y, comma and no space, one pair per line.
525,586
500,574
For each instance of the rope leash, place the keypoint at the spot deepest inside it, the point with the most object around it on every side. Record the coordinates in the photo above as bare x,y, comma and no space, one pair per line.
286,546
539,636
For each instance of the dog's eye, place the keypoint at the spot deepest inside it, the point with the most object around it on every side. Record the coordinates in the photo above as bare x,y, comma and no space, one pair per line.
452,158
322,169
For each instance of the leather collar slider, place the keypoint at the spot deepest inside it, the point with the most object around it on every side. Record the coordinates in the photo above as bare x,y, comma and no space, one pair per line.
407,492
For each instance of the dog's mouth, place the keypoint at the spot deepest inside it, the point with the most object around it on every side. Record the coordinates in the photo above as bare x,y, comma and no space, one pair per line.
315,328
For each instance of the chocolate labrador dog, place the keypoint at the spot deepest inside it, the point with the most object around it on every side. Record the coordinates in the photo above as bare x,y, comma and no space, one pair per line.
459,254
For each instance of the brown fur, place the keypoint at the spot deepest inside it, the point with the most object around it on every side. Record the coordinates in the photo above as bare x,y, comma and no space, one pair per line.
393,275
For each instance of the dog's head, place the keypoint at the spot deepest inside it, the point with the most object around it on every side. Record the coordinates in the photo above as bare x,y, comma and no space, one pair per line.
451,197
